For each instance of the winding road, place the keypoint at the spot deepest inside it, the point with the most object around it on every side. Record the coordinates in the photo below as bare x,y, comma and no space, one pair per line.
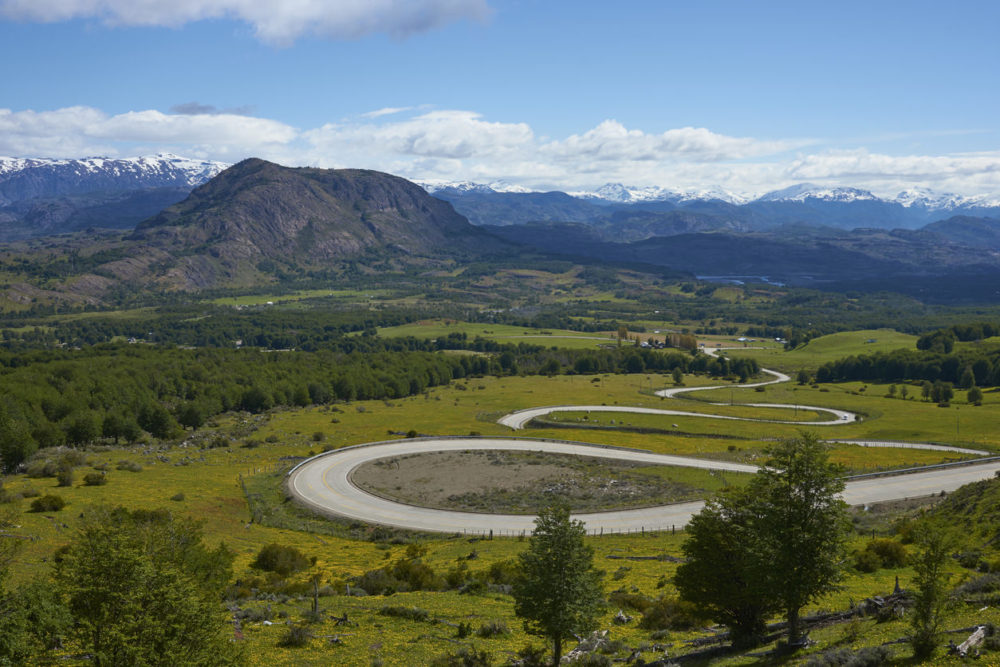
324,484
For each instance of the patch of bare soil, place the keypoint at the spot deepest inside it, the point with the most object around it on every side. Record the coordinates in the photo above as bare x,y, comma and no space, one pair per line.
504,482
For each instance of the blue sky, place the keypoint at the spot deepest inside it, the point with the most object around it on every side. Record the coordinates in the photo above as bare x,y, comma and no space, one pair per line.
748,96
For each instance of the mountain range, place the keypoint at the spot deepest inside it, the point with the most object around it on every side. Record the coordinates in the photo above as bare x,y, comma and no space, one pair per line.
41,197
257,222
808,204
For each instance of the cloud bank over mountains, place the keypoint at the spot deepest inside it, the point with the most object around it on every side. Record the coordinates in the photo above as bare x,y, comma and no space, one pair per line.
278,22
458,145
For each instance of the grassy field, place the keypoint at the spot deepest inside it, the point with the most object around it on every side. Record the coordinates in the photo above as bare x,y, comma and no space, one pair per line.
263,299
820,350
211,481
505,333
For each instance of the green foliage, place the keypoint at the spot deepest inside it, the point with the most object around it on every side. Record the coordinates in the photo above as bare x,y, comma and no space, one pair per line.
65,477
409,613
130,466
558,592
723,537
33,621
281,559
95,479
16,442
671,613
297,636
780,542
464,657
931,599
48,503
880,553
870,656
143,589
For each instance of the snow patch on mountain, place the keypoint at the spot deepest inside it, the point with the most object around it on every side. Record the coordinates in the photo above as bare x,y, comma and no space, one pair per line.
803,191
165,166
622,194
468,186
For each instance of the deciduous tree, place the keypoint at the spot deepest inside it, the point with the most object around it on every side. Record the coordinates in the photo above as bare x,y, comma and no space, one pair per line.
558,591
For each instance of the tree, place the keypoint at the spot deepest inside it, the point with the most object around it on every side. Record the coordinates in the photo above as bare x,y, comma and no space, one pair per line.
777,545
942,392
930,599
558,591
803,377
968,379
725,570
143,589
678,377
974,396
804,524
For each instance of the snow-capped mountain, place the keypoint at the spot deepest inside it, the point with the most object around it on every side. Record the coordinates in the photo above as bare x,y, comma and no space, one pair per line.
468,186
30,178
622,194
803,191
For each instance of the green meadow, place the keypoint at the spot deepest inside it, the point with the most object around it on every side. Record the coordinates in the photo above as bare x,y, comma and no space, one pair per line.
212,485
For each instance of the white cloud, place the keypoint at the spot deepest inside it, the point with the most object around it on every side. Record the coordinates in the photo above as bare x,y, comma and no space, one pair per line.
274,21
385,111
453,145
611,141
81,131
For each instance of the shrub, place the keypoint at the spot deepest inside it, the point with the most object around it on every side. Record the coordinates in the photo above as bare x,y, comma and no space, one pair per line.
318,436
47,503
178,497
464,657
95,479
625,600
281,559
130,466
409,613
64,477
492,629
670,613
870,656
296,637
880,553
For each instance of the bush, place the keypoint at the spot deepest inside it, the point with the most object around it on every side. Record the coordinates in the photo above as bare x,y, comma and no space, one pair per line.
465,657
95,479
634,601
130,466
47,503
879,553
318,436
669,613
988,583
870,656
409,613
178,497
64,477
281,559
296,637
493,629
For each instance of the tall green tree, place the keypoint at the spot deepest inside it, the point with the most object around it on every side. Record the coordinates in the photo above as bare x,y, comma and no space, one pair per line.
803,524
558,591
930,598
778,544
725,570
144,590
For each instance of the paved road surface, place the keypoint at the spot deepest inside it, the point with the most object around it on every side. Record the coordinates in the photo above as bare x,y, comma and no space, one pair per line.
323,483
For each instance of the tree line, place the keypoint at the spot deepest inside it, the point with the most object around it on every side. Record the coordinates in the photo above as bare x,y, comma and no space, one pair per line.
120,392
975,365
